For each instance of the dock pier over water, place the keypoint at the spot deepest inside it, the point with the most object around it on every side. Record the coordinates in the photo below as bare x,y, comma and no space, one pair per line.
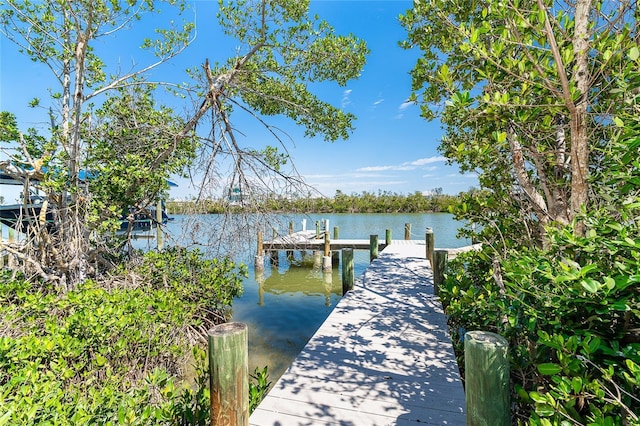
382,357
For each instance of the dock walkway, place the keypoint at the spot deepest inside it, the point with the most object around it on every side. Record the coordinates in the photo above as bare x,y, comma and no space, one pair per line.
382,357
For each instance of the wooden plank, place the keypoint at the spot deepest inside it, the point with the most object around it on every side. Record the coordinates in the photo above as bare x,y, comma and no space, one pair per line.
382,357
306,240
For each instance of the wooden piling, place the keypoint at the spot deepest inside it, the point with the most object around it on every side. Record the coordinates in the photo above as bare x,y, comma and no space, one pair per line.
326,259
487,379
347,270
387,237
429,242
327,244
439,264
159,234
317,229
407,231
229,374
373,247
260,248
290,227
259,260
335,255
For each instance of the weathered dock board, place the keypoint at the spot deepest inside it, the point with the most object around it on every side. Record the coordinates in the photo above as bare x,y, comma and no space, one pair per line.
382,357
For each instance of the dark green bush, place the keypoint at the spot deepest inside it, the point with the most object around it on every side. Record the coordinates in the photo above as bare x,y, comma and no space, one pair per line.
128,355
571,313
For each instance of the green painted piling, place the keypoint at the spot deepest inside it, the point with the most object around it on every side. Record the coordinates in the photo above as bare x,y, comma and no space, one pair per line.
486,379
439,264
347,270
373,247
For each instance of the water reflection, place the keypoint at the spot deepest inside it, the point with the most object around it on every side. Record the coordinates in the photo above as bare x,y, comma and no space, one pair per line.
303,276
284,305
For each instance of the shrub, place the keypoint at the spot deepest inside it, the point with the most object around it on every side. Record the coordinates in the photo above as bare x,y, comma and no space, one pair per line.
118,355
571,313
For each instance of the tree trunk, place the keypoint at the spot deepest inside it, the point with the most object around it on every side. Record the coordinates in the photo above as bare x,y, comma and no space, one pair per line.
579,125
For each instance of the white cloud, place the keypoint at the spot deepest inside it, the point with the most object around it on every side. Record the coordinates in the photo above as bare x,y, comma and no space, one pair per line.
405,105
427,160
383,168
406,166
345,98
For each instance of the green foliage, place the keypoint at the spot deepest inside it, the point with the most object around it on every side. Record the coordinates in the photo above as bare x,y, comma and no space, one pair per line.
207,285
133,151
571,313
116,356
258,387
283,51
513,93
366,202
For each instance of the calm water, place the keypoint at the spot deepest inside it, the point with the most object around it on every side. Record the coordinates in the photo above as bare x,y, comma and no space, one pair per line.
285,305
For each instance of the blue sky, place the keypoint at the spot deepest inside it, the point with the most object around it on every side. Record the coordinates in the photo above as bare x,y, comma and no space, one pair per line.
392,148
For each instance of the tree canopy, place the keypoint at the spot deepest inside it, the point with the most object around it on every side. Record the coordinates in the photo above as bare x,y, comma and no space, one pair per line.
525,93
102,117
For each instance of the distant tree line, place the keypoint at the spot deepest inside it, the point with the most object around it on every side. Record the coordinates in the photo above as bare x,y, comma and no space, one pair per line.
365,202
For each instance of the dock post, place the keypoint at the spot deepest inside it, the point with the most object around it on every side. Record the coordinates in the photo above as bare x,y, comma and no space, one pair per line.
326,259
317,229
439,264
159,234
229,374
347,270
387,237
373,247
260,281
407,231
486,378
335,255
429,242
259,260
290,227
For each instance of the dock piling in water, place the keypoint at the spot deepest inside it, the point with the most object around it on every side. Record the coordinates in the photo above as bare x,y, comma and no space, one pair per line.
407,231
259,260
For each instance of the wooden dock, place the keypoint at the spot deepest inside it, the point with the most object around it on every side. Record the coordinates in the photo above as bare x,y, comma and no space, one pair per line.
382,357
307,240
